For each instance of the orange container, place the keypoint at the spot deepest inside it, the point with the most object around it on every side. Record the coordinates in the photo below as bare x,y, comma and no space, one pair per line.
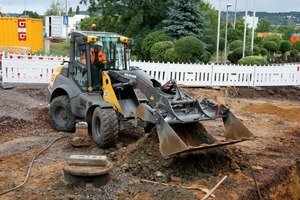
21,35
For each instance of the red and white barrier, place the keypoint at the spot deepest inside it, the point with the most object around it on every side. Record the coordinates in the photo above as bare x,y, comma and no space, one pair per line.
18,68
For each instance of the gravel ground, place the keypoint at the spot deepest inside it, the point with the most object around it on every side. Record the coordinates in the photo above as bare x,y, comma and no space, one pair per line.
139,170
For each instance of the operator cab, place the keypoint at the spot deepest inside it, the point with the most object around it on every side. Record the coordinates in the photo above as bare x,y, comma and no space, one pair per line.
87,66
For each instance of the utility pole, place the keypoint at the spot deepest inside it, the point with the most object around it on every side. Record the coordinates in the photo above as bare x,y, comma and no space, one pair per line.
66,13
234,22
25,8
218,34
253,27
245,28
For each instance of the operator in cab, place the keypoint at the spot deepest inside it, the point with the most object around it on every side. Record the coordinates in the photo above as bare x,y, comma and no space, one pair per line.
98,62
98,57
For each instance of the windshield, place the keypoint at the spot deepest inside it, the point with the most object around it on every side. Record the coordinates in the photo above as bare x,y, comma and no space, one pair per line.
114,53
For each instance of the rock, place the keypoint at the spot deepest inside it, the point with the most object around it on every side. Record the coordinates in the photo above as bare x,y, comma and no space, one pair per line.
257,168
234,166
175,179
160,177
81,136
125,167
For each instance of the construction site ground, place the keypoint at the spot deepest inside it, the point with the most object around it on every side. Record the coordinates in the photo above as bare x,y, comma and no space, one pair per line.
140,172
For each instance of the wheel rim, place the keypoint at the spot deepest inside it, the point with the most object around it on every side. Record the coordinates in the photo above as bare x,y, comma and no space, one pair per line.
61,115
98,126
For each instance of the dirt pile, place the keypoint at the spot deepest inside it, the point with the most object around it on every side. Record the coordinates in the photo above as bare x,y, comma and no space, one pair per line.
288,113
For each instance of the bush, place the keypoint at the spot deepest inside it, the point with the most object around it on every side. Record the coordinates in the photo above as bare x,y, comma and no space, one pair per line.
237,54
294,53
235,44
170,55
285,46
206,57
189,49
253,60
263,52
158,50
296,45
210,43
150,40
256,51
271,46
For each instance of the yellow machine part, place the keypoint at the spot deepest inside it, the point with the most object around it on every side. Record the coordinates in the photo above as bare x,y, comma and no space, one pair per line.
54,74
109,95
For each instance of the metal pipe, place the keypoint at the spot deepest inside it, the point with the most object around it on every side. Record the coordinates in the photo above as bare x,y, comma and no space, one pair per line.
245,28
225,48
253,26
218,34
234,22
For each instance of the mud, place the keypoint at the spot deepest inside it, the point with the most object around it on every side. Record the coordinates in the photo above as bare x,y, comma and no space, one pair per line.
272,115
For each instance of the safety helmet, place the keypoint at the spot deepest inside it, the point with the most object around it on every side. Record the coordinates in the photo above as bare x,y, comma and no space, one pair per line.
98,43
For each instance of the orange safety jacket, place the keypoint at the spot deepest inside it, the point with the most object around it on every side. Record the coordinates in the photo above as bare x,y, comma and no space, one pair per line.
101,56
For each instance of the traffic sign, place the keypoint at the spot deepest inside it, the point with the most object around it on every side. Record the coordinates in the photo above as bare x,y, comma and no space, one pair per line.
65,20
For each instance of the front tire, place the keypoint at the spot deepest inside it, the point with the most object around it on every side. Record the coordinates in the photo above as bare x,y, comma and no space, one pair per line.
61,117
105,127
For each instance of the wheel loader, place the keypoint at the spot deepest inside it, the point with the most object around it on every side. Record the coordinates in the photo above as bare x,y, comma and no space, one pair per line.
111,96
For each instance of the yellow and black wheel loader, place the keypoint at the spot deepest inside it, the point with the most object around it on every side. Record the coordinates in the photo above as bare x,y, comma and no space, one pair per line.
105,94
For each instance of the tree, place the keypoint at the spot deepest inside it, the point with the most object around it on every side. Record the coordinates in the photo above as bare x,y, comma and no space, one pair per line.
77,10
235,44
55,9
133,18
184,19
296,45
287,31
285,46
264,25
70,12
210,43
271,46
130,17
30,14
211,19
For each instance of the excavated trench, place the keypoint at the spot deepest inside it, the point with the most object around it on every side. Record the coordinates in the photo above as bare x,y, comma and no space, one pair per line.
283,185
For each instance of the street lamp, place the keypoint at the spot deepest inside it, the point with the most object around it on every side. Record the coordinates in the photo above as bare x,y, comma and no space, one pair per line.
253,27
225,56
218,34
245,28
234,22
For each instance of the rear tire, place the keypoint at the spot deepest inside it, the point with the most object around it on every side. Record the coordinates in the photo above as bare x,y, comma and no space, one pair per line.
61,117
105,127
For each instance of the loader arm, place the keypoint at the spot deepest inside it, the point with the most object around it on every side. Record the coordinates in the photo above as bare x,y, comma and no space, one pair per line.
167,104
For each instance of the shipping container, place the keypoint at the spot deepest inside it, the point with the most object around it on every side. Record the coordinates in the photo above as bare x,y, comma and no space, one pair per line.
21,35
62,26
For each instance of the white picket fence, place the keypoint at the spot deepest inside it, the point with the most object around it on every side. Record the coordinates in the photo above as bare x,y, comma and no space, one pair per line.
38,69
195,75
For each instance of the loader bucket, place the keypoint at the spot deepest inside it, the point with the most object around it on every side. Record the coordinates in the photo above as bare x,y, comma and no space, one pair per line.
235,129
169,141
190,136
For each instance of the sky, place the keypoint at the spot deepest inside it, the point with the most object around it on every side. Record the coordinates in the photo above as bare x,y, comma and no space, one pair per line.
260,5
40,6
